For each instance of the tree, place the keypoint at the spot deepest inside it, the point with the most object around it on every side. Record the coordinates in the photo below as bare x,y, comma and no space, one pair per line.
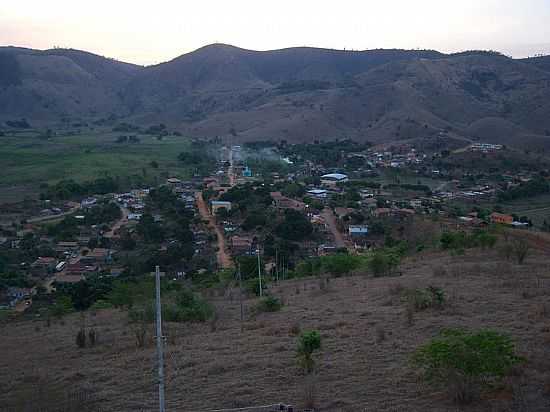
295,226
309,342
520,248
464,361
149,229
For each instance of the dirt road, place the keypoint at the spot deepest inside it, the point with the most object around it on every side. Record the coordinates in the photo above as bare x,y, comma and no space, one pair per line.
224,259
118,224
330,220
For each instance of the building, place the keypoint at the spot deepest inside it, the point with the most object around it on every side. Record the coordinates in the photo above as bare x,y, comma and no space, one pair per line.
98,256
332,179
43,266
358,231
501,218
215,205
318,193
88,202
282,202
241,245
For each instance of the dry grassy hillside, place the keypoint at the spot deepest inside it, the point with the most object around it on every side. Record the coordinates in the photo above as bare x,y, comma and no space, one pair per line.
296,94
367,340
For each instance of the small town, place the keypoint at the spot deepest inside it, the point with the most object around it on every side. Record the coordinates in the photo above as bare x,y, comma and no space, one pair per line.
275,206
353,204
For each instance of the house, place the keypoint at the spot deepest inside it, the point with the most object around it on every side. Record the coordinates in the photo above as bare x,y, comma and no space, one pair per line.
370,203
332,179
173,181
215,205
358,231
282,202
324,250
15,295
342,212
318,193
241,245
382,212
501,218
63,247
97,257
77,269
88,202
43,266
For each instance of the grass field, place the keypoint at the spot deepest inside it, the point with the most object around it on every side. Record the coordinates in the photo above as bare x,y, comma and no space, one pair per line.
535,208
363,365
28,160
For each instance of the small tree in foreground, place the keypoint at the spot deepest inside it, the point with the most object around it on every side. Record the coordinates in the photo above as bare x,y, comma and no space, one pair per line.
520,248
466,361
309,342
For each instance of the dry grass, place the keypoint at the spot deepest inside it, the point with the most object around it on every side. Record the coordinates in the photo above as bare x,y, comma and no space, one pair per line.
216,366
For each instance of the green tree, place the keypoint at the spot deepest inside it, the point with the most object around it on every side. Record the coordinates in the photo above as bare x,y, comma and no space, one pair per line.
308,343
471,358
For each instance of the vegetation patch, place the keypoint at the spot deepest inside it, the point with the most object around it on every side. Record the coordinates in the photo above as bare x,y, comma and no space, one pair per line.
465,362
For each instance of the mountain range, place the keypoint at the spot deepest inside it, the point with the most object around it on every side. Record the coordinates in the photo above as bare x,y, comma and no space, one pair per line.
296,94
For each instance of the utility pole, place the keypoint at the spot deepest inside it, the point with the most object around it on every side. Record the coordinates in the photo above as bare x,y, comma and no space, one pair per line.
160,341
277,263
259,272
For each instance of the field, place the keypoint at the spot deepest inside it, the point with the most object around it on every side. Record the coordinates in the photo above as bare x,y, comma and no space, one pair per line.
29,160
366,344
535,208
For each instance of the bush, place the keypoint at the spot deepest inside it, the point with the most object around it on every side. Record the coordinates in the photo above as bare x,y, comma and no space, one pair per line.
183,306
520,248
427,298
464,361
253,285
189,307
383,262
270,304
62,306
81,338
308,343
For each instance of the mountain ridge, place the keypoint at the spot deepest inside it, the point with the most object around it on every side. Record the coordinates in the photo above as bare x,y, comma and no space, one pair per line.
296,94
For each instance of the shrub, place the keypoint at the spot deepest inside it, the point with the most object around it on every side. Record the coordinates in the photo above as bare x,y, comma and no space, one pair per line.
465,361
309,342
81,338
520,248
62,306
92,337
422,299
383,262
188,307
253,285
270,304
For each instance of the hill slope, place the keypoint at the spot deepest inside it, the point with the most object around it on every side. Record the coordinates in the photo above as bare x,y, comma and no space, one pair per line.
45,86
364,363
297,94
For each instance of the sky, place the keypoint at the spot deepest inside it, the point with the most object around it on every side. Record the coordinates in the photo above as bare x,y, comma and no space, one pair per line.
150,32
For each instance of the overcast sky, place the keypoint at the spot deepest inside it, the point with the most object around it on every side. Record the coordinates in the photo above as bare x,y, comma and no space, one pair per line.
147,32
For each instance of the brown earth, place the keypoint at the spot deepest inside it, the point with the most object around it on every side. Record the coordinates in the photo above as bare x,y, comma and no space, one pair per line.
222,255
366,344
